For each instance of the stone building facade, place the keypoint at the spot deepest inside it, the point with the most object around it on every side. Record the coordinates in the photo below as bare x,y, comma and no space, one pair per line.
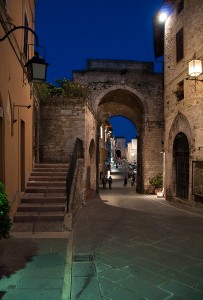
16,94
183,102
130,89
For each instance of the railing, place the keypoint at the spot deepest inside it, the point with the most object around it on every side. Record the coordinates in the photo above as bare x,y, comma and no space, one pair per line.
77,153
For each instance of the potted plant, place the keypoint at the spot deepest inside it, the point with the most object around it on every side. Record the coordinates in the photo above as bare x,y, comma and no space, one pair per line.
5,221
157,182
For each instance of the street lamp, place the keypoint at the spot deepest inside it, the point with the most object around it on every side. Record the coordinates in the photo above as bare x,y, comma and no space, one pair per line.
36,69
36,66
194,69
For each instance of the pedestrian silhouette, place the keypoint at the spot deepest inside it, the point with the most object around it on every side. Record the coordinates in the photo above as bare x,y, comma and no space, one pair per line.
110,181
125,180
104,181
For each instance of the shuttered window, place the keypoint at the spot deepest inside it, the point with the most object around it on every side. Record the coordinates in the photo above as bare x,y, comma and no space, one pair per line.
179,45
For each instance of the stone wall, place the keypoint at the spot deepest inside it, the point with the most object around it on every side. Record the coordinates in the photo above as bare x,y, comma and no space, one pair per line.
183,115
61,122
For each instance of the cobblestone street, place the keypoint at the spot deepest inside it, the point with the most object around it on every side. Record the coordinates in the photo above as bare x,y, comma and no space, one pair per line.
132,246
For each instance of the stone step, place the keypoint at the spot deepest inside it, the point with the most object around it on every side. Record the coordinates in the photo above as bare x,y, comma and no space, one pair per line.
47,178
33,207
47,173
47,165
43,198
50,170
44,189
38,216
46,183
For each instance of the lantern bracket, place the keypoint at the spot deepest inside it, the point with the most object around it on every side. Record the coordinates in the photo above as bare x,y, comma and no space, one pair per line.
19,27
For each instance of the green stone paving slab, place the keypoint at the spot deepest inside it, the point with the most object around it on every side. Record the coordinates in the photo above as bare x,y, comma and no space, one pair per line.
38,283
110,260
181,290
151,277
33,295
148,264
143,288
34,269
101,267
199,287
114,274
181,276
85,288
8,282
122,293
38,273
172,259
106,285
47,260
80,269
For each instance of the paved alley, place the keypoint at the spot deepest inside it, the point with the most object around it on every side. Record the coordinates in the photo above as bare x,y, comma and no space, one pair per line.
132,246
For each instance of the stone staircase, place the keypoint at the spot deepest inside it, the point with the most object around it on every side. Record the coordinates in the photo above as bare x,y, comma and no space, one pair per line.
44,201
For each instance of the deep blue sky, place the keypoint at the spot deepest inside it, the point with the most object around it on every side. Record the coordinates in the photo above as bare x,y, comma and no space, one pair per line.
74,30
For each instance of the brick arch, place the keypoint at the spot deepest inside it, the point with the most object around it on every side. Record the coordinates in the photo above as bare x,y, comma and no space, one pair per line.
127,88
180,124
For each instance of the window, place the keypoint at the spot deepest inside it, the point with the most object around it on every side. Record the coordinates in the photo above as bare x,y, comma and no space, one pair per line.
180,91
25,45
179,45
180,6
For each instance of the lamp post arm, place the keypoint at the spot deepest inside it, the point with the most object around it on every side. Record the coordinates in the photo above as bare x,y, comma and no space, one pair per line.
20,27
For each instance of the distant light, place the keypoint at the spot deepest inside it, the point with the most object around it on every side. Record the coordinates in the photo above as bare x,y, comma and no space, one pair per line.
162,17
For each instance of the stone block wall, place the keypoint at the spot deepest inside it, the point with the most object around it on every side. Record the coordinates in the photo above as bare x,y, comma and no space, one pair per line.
61,122
183,115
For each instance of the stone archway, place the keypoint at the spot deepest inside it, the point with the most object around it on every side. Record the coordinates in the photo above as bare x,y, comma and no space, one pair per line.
132,90
124,101
179,146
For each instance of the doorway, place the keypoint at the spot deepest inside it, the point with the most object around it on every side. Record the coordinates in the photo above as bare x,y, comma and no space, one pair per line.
181,165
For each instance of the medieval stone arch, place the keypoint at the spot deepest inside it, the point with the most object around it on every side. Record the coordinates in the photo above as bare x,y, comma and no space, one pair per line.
180,129
132,90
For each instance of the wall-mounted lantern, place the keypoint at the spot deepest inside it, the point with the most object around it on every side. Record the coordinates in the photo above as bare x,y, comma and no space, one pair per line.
36,69
36,66
195,68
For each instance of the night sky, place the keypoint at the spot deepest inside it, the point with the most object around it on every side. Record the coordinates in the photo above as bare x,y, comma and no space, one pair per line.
74,30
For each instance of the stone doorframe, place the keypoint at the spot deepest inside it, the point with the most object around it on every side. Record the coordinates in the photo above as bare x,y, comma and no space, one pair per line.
180,124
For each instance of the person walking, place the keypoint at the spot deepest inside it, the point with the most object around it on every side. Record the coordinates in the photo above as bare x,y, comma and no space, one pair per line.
125,180
104,181
133,180
110,182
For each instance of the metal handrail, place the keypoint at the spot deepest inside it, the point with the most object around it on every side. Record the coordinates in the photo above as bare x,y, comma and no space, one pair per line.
77,153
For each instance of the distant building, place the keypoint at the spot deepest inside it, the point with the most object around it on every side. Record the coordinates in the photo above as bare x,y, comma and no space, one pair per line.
120,144
131,151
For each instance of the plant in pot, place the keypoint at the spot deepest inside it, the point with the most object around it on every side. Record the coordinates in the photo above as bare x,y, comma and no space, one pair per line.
5,221
157,182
